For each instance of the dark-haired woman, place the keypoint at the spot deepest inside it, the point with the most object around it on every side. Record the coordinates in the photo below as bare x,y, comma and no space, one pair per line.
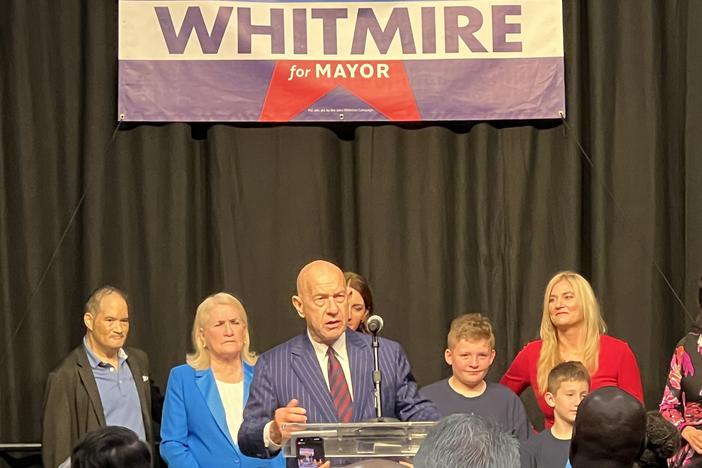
360,301
682,396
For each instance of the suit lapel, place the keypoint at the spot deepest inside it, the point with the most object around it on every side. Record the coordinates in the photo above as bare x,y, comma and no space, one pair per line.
88,380
306,367
141,386
359,362
248,371
204,379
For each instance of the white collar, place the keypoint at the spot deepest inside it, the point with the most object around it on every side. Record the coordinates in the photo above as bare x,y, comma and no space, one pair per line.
339,346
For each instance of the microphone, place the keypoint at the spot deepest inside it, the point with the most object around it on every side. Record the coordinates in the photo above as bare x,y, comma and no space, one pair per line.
374,324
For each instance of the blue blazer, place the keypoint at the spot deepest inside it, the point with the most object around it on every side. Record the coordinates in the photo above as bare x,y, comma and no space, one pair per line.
291,370
194,430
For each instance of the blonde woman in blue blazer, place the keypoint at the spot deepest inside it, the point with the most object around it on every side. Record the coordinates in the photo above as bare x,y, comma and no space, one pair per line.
205,398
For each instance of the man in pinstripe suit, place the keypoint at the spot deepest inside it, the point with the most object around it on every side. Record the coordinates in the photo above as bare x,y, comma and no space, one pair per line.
291,381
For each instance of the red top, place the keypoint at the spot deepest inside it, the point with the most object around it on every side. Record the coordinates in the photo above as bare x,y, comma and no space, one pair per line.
617,368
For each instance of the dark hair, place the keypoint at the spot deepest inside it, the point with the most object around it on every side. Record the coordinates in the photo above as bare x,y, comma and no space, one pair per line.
92,305
609,431
111,447
567,371
662,441
359,283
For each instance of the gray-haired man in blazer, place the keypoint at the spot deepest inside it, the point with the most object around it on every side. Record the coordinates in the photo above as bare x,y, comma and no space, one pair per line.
100,383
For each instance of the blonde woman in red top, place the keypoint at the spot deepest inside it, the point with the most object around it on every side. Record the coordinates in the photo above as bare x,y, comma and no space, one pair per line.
572,329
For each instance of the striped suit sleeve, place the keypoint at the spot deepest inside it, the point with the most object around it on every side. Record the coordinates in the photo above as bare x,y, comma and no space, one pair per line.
259,410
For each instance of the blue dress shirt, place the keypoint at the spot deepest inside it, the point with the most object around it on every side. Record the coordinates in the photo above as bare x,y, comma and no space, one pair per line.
118,392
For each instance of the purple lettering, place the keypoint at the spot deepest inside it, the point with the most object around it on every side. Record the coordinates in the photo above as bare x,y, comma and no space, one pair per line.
329,17
275,30
299,30
428,30
176,42
500,28
466,33
367,22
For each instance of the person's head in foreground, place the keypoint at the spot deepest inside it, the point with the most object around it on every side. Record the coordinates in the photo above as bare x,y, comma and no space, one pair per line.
610,430
467,441
111,447
568,384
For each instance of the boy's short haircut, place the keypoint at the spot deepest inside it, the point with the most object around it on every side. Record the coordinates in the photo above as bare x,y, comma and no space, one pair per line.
567,371
470,327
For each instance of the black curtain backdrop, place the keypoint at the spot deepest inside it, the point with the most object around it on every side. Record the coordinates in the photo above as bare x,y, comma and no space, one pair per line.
443,218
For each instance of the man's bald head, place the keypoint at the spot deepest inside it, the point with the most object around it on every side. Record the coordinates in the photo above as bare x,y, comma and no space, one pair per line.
313,271
322,300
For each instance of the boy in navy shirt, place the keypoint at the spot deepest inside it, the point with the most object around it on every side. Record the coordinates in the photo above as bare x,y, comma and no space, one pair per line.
568,384
470,353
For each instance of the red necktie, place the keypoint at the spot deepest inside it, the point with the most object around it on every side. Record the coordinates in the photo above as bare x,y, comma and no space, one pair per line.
338,388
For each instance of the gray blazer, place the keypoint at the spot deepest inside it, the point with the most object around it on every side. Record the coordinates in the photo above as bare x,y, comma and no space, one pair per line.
72,405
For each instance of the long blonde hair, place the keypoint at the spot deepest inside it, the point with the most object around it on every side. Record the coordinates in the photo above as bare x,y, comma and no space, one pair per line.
200,358
594,328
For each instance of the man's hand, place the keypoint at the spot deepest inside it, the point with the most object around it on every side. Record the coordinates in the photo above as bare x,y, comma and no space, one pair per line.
693,437
284,421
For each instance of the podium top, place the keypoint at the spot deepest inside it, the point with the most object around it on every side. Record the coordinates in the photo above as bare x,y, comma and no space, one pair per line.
364,439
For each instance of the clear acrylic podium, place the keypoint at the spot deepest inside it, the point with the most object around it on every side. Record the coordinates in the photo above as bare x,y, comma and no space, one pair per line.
364,439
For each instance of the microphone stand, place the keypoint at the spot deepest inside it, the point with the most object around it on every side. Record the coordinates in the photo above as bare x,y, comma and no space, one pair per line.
377,378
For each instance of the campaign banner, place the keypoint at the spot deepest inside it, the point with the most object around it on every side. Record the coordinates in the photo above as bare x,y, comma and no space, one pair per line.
281,61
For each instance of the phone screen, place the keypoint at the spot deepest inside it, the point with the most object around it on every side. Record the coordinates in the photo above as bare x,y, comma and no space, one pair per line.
309,451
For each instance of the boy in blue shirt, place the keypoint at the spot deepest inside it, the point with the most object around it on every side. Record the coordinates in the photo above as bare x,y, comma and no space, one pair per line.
568,384
470,353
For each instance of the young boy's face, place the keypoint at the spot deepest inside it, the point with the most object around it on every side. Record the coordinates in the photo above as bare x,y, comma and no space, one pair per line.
470,360
567,398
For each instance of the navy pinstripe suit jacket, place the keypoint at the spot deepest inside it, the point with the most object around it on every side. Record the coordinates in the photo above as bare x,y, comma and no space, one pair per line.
291,370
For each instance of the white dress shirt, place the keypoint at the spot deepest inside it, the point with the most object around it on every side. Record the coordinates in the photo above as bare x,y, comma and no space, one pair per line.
232,396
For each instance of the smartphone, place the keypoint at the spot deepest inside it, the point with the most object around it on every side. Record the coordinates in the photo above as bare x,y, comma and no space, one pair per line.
309,452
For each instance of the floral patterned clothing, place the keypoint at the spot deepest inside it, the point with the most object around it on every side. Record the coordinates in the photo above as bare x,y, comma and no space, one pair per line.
682,397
